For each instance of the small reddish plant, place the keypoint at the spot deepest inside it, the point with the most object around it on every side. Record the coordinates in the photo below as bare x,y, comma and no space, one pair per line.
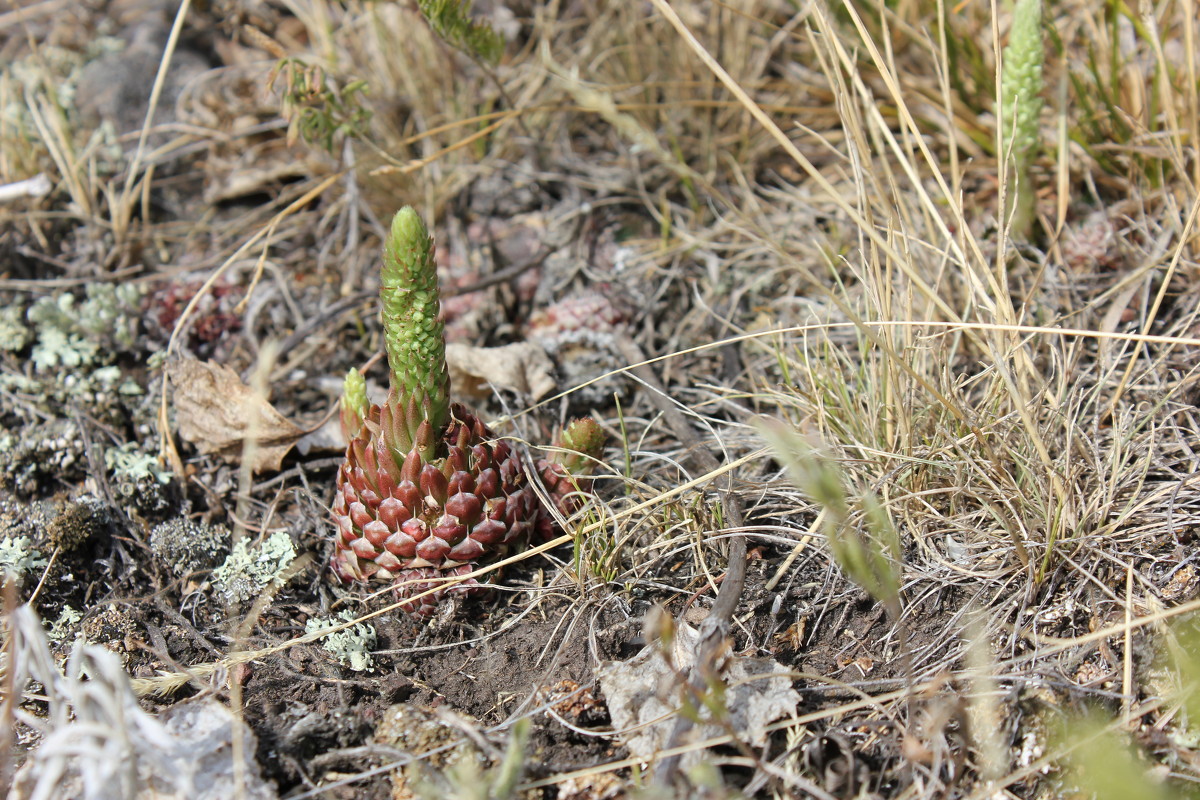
427,492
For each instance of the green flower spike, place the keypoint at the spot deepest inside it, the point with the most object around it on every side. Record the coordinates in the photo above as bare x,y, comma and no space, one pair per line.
1021,83
1021,92
413,332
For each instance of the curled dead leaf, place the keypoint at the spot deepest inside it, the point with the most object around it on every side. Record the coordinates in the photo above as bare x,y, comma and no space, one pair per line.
523,368
217,412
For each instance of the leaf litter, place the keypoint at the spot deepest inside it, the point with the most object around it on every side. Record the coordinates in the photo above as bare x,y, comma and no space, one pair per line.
643,696
217,412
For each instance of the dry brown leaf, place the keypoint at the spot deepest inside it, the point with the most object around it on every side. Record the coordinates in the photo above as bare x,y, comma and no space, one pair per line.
523,368
216,412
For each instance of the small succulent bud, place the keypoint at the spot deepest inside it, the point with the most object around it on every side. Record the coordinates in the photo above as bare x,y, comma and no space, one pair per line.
566,473
581,442
354,402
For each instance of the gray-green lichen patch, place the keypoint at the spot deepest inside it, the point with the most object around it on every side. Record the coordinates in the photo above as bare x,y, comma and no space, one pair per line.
66,626
184,546
59,342
41,456
63,353
111,313
105,393
248,571
18,558
56,349
127,462
49,76
14,334
138,480
70,334
352,646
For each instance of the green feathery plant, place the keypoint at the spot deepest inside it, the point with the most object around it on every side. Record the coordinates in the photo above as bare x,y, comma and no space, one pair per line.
1021,95
317,109
449,19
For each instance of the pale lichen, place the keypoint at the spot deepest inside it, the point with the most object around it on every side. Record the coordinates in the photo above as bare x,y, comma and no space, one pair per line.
41,455
184,545
56,348
111,312
247,571
75,335
130,463
66,626
14,334
138,479
18,558
352,646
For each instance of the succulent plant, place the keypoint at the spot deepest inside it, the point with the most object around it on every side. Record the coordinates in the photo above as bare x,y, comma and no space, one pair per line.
566,472
580,333
427,491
